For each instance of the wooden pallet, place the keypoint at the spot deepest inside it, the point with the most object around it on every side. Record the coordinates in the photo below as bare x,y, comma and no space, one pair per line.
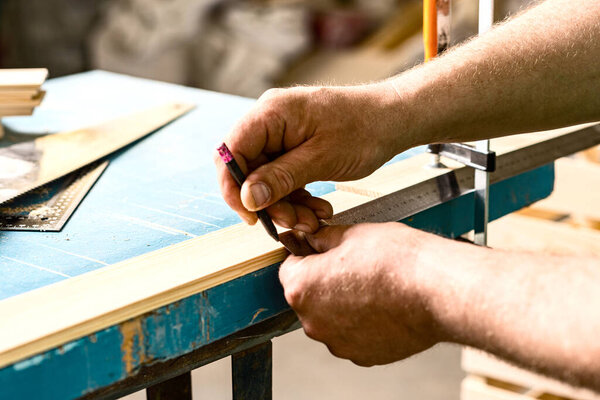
489,378
567,222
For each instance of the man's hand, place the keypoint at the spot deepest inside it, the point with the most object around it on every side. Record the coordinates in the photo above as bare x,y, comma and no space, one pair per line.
379,293
363,297
296,136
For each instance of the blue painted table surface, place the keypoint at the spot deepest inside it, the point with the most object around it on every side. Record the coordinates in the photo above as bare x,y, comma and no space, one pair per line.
161,191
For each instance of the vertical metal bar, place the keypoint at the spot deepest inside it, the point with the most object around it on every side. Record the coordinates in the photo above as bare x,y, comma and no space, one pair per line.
436,37
482,199
486,15
251,373
178,388
482,178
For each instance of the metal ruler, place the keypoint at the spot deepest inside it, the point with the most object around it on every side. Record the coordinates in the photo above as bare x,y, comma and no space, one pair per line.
455,183
47,208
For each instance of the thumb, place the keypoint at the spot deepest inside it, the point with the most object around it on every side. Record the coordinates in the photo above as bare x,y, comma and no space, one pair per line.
327,237
274,180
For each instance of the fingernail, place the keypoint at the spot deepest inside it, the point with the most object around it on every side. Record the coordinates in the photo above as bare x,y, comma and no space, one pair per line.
322,214
260,193
283,224
303,228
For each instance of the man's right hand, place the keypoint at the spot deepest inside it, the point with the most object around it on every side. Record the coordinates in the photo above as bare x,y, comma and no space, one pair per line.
299,135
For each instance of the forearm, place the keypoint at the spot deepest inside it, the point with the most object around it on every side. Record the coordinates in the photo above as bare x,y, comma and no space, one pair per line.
538,71
542,312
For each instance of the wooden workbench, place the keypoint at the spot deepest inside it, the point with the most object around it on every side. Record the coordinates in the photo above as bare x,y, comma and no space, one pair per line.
160,192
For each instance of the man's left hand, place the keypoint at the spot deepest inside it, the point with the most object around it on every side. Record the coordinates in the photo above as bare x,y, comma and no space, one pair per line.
363,296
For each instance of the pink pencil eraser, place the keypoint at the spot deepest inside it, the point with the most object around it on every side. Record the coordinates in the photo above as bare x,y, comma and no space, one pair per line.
225,154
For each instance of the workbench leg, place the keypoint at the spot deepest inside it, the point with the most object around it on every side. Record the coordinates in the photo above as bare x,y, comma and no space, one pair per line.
178,388
251,373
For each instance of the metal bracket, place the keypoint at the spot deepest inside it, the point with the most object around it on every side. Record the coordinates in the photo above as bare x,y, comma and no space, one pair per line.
465,154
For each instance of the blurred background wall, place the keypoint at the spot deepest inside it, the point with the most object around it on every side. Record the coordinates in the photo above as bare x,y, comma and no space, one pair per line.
239,47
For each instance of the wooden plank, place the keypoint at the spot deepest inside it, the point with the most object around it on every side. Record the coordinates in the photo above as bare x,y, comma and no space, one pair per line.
119,352
475,388
11,102
163,276
16,94
252,373
395,177
20,111
22,78
481,363
522,233
576,191
32,164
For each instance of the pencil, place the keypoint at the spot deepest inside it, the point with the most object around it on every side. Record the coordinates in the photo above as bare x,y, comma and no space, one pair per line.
239,177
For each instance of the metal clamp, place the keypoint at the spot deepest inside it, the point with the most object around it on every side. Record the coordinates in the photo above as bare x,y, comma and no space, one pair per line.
465,154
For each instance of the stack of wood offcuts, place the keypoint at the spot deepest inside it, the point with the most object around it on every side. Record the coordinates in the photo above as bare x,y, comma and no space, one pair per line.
20,90
565,223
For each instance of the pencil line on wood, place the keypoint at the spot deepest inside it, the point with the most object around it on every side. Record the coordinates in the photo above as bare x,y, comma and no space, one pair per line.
37,266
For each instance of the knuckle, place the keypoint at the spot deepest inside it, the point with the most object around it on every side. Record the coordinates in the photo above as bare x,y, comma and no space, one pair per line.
272,99
271,94
285,180
293,295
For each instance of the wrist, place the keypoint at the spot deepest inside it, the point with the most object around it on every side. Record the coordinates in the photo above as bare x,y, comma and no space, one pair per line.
452,280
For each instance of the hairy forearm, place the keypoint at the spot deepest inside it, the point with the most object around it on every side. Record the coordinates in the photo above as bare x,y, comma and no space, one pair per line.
537,71
539,311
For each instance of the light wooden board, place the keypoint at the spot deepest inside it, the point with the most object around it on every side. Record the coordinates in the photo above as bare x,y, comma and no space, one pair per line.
11,101
480,363
474,387
577,190
23,78
16,94
107,296
50,157
522,233
16,111
387,180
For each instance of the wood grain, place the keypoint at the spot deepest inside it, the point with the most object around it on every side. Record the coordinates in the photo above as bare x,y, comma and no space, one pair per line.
13,101
401,175
480,363
105,297
35,163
